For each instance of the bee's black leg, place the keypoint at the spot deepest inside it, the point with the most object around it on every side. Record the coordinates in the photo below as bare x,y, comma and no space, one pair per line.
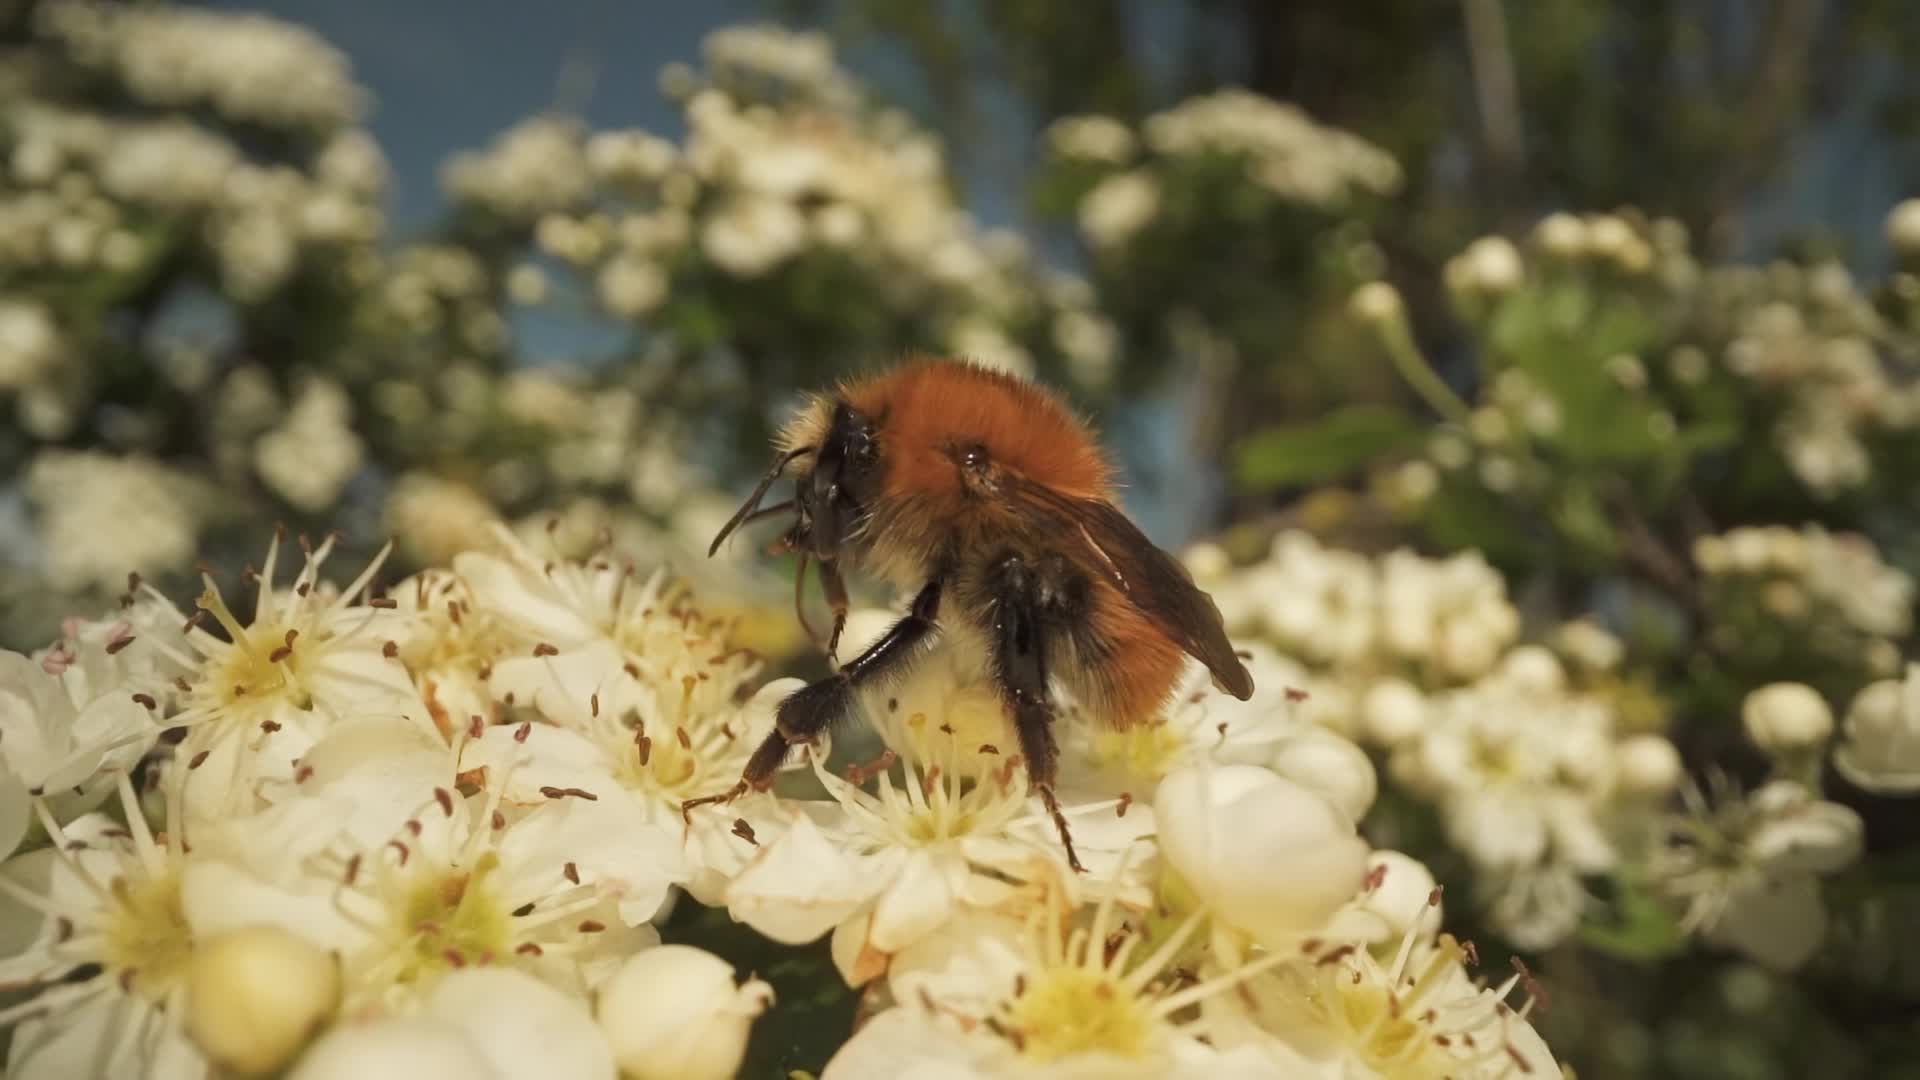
1022,618
811,709
835,587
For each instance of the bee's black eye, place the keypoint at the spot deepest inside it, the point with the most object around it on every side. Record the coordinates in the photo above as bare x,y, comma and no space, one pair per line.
970,456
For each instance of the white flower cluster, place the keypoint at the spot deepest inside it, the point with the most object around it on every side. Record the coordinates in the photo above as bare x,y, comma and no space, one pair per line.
84,501
1836,584
785,170
1286,154
246,68
434,828
1535,777
537,167
1810,339
1805,337
171,180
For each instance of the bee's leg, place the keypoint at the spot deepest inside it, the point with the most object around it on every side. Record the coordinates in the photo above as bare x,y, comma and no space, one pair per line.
835,587
811,709
1022,619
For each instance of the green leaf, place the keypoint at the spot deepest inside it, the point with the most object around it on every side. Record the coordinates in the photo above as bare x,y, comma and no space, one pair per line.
1339,443
1644,929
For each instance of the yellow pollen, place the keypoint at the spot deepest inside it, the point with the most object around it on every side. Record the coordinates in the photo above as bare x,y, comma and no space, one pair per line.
1146,751
148,935
455,918
1073,1010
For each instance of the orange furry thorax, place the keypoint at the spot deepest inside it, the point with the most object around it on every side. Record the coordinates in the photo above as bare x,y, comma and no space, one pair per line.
924,407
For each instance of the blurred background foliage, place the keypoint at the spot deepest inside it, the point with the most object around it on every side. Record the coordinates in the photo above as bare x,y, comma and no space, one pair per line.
1615,295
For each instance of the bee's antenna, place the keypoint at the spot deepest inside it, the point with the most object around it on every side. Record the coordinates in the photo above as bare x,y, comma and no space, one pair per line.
752,505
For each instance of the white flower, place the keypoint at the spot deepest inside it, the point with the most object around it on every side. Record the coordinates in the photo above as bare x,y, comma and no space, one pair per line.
630,286
265,691
67,722
1903,226
436,519
29,343
109,951
84,499
641,764
1649,765
310,457
256,995
415,1048
1400,897
1201,723
522,1026
1323,605
535,168
1118,207
884,870
1091,138
1393,712
1880,751
1747,870
1452,613
1786,716
753,234
1378,304
1561,235
1490,264
677,1013
1589,645
462,884
1332,767
1044,996
1270,858
1350,1014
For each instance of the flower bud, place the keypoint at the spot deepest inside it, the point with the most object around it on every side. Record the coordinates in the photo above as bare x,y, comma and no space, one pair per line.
1881,749
1264,854
1491,264
412,1049
1392,712
1377,303
1399,896
1208,562
1647,765
1786,716
522,1025
256,995
1318,759
1533,669
1561,235
1903,227
675,1012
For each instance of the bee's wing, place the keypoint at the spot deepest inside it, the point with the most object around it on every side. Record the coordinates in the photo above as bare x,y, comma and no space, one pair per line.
1151,579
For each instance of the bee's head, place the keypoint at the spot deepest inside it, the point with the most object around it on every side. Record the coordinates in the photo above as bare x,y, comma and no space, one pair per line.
834,456
835,488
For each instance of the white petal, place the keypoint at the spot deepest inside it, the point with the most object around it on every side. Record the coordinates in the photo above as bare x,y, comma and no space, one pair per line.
16,810
522,1025
1779,923
562,687
915,902
545,756
522,595
102,1038
417,1048
800,886
608,843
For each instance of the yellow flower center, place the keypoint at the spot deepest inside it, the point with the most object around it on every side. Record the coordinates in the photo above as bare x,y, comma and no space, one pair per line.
262,663
1066,1011
455,918
147,938
1146,751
